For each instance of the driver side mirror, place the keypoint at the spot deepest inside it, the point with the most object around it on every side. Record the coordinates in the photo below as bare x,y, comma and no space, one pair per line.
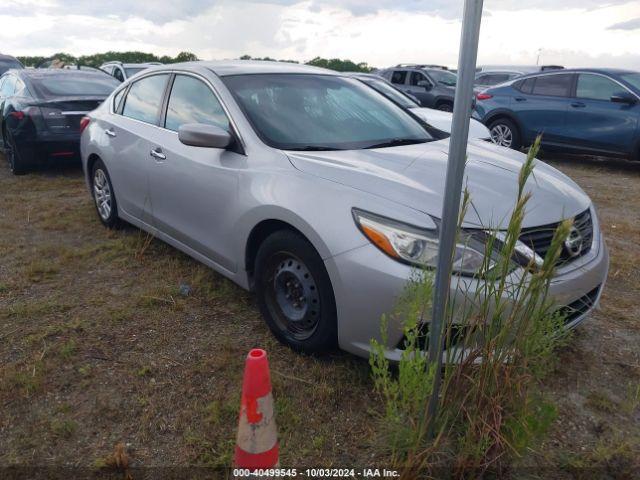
426,84
623,97
202,135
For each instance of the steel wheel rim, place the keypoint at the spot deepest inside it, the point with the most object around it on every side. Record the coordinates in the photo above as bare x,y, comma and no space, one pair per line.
292,296
501,135
102,194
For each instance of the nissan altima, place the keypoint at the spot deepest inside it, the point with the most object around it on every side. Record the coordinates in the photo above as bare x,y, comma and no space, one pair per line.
316,192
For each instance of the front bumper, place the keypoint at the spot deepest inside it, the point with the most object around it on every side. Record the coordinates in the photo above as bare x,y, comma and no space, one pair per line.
367,285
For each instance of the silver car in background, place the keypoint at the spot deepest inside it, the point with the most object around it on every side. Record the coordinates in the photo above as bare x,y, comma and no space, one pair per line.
316,192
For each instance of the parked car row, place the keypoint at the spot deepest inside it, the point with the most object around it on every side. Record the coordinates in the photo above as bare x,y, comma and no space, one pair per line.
230,161
592,111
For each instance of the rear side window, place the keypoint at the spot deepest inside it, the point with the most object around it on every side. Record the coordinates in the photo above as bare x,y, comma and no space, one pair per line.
596,87
117,72
116,100
144,99
552,85
192,101
399,77
526,86
8,65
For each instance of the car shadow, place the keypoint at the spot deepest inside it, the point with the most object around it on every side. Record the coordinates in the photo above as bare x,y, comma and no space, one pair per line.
608,163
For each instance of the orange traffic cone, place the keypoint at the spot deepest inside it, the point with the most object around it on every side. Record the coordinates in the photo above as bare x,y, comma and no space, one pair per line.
257,443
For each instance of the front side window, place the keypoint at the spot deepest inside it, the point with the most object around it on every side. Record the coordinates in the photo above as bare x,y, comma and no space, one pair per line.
144,99
552,85
192,101
596,87
417,77
399,77
321,112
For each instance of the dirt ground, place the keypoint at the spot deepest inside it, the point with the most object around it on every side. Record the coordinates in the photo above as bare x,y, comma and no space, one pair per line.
100,345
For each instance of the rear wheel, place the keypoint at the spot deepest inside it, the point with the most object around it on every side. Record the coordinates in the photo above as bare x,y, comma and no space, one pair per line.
294,292
445,107
103,195
505,133
17,162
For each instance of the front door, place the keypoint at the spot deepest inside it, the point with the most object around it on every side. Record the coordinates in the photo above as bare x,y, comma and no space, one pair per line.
595,122
194,189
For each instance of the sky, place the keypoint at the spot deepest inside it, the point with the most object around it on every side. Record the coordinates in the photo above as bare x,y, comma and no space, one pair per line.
379,32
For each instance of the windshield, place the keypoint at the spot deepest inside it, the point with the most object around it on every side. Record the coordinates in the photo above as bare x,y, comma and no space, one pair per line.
321,112
391,93
63,85
444,77
632,78
131,71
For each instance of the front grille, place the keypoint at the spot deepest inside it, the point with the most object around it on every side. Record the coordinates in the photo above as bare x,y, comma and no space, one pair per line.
580,306
539,238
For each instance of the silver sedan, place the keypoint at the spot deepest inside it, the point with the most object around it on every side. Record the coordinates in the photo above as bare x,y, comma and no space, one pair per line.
315,191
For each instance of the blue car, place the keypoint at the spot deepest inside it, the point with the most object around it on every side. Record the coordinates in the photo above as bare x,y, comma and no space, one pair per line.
592,111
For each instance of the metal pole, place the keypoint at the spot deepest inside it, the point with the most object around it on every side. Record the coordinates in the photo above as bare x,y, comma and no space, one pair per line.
453,187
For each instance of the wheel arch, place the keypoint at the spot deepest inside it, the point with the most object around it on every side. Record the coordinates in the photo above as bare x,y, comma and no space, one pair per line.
509,116
267,225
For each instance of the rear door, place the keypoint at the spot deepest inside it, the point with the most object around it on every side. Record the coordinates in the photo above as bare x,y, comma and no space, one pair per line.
595,122
194,189
541,106
127,143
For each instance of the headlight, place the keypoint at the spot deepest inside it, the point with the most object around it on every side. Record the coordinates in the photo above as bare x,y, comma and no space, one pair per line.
417,246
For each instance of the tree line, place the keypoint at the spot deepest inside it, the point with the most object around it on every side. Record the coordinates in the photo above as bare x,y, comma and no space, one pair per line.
98,59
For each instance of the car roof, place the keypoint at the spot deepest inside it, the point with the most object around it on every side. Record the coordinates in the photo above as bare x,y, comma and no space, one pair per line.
605,71
9,57
247,67
38,73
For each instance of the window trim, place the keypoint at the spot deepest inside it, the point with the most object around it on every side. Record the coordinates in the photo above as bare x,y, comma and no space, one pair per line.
574,82
128,87
233,126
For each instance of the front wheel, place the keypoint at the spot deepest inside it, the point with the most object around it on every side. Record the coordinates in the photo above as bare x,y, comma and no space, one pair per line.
103,195
294,292
445,107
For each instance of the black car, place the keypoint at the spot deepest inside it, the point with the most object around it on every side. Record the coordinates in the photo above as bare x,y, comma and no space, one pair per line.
40,112
7,62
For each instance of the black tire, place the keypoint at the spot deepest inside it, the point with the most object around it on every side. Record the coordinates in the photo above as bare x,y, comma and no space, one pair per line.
99,179
445,107
503,125
18,162
286,257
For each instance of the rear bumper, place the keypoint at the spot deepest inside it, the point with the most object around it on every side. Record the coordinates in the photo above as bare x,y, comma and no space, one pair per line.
47,147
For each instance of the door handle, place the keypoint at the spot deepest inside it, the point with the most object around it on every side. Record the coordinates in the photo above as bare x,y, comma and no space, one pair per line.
110,132
578,105
520,99
157,153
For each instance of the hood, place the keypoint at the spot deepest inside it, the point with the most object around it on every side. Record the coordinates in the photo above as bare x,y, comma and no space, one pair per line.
443,120
414,176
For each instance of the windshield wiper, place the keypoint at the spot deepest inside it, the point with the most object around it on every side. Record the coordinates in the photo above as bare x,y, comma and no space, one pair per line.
312,148
396,142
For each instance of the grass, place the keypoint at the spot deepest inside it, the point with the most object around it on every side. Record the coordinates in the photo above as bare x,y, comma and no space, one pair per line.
89,286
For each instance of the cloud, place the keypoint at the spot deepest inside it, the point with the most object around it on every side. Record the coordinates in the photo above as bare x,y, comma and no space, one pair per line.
633,24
